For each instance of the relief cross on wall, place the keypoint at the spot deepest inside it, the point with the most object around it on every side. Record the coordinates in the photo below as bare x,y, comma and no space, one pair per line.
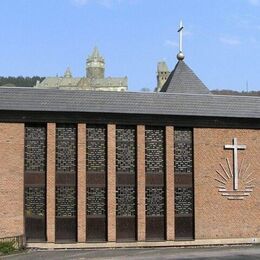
235,147
235,183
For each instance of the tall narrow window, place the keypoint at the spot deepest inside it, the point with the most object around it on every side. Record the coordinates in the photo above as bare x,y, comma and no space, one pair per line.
183,171
96,136
34,180
66,168
155,182
125,183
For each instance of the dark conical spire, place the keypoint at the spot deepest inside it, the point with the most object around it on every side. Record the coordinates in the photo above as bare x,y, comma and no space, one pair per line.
183,80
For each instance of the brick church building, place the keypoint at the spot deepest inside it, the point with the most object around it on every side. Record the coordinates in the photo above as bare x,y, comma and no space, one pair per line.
181,166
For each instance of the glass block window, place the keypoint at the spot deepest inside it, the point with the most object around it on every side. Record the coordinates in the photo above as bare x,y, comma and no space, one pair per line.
125,201
155,202
183,200
66,146
35,149
126,182
96,148
66,205
154,150
125,149
96,201
34,201
184,183
183,151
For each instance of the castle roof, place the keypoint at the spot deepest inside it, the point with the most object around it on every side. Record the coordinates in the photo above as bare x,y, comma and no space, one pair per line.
57,82
68,73
95,56
183,80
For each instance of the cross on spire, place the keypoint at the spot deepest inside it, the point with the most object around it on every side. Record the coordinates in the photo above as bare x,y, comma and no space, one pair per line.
180,36
180,55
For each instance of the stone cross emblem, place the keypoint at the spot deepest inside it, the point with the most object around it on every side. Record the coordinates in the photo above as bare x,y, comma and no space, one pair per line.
235,183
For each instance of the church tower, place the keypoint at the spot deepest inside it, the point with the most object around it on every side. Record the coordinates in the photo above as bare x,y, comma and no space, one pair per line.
95,65
162,74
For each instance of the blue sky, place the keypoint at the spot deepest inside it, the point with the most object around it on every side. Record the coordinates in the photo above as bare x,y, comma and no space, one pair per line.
221,40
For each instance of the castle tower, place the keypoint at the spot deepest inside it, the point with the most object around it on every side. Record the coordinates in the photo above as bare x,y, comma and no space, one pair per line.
95,65
162,74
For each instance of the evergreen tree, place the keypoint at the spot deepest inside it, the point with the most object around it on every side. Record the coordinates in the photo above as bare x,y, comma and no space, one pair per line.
20,81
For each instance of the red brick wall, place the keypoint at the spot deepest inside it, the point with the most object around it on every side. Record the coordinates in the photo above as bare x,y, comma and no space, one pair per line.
170,214
141,183
11,179
215,215
81,183
111,182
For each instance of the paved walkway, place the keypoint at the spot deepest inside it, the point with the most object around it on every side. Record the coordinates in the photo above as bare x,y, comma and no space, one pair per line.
235,252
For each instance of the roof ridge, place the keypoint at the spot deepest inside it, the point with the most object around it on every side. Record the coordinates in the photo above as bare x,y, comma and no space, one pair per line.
124,93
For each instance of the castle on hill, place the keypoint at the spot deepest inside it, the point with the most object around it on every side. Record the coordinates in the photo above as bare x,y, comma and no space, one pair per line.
94,80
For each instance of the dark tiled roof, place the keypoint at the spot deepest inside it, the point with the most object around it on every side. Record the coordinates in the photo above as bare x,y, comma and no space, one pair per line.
183,80
51,100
